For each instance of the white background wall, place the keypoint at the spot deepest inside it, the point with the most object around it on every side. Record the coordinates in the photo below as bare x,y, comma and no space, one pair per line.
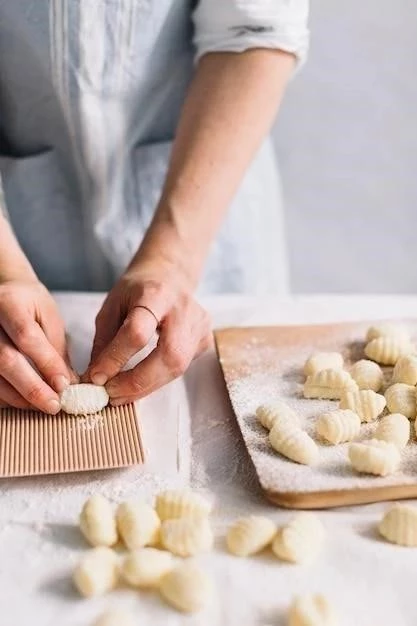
347,145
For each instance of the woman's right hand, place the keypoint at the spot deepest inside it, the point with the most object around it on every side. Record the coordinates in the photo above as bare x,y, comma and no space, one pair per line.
34,365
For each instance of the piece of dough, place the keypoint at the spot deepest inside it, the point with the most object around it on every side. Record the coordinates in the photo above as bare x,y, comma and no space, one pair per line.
323,361
186,536
394,428
97,522
97,572
250,535
278,412
401,398
367,375
374,457
405,370
145,567
338,426
138,524
186,588
387,329
172,504
300,540
295,444
83,399
399,525
387,350
116,617
365,403
312,610
328,384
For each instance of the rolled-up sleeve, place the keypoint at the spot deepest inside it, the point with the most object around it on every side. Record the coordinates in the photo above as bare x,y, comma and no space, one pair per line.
239,25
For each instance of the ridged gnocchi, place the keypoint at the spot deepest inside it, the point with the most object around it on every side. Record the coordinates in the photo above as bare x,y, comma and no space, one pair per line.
300,540
97,572
83,399
115,617
312,610
405,370
328,384
374,456
387,329
295,444
387,350
401,398
250,535
365,403
186,588
399,525
145,567
97,522
138,524
173,504
276,413
186,536
367,375
394,428
323,361
338,426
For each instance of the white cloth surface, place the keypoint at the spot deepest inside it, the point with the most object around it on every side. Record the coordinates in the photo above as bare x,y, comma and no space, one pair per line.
190,436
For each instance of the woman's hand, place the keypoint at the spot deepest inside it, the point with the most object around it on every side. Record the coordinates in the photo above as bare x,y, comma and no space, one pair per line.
34,365
147,298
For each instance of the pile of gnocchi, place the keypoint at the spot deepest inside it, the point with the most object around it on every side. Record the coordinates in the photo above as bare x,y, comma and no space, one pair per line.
362,399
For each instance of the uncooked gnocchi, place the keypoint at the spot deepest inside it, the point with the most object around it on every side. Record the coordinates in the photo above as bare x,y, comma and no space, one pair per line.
97,522
399,525
405,370
186,588
312,610
300,540
374,456
295,444
138,524
387,350
367,375
83,399
173,504
387,329
97,572
323,361
115,617
394,428
145,567
365,403
328,384
338,426
250,535
276,413
186,536
401,398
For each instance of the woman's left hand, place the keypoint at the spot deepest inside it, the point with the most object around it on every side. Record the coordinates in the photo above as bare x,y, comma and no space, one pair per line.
147,298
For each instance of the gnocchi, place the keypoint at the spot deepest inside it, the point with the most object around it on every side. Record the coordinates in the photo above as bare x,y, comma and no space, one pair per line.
387,329
387,350
301,540
405,370
365,403
115,617
277,413
250,535
328,384
374,456
399,525
138,524
312,610
97,522
173,504
97,572
394,428
401,398
367,375
294,444
323,361
186,588
338,426
83,399
145,567
186,536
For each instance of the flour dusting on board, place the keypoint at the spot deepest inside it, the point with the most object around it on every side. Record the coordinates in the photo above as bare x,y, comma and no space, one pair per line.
265,367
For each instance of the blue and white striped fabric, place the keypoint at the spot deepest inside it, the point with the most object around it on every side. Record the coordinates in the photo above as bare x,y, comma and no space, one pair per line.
90,95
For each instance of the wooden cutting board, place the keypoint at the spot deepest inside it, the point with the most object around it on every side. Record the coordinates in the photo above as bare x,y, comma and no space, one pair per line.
261,364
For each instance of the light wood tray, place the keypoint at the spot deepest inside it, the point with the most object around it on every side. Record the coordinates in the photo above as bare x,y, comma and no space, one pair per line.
261,364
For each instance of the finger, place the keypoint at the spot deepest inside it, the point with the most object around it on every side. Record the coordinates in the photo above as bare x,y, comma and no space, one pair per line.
108,323
134,334
10,397
16,370
54,329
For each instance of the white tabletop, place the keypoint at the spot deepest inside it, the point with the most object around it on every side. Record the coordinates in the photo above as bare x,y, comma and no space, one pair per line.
190,436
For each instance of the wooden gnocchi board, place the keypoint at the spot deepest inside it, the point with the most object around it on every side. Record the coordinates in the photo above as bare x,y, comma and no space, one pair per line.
261,364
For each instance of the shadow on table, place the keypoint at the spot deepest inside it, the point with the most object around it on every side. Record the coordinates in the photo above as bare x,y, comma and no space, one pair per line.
61,587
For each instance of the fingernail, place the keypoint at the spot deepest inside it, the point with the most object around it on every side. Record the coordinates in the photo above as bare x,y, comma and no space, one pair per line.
99,378
119,401
60,382
53,406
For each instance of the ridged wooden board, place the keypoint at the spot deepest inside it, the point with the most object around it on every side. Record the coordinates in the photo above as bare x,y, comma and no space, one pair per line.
261,364
33,443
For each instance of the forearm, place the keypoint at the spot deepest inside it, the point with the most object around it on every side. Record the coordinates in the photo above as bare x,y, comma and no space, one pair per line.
229,109
13,263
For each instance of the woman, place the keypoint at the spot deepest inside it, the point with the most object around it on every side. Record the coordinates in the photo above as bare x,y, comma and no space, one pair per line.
91,95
